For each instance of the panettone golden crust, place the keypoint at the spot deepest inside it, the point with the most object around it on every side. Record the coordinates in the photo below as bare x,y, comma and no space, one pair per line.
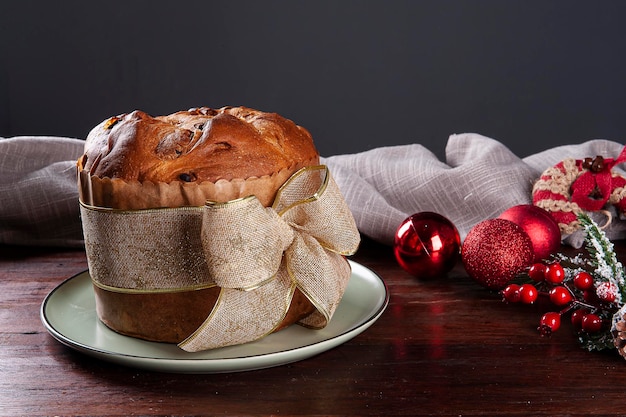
196,145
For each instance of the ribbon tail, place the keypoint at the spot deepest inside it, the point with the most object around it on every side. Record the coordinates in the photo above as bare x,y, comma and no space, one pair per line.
258,313
322,276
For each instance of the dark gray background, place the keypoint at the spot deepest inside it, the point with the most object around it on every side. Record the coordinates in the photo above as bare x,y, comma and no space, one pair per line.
357,74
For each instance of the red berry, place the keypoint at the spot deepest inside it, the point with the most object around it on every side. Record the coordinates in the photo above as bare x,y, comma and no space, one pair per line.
607,292
591,323
560,296
577,317
550,322
537,272
583,281
528,293
555,273
511,293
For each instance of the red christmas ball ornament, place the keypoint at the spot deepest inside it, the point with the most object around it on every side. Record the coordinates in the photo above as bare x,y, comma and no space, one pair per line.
495,251
540,226
427,245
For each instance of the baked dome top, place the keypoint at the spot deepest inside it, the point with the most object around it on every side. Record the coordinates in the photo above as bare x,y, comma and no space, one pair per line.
196,145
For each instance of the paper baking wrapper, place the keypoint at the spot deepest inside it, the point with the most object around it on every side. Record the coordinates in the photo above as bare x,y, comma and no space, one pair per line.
135,195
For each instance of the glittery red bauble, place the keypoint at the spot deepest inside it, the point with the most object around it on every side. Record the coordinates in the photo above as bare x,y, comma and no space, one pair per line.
540,226
495,251
427,245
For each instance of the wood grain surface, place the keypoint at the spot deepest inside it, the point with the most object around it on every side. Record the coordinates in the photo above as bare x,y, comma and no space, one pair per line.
443,347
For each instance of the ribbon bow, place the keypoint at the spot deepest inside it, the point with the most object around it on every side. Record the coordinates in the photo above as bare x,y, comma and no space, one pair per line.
259,256
592,189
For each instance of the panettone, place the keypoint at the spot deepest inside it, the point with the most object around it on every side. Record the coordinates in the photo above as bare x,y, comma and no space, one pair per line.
138,162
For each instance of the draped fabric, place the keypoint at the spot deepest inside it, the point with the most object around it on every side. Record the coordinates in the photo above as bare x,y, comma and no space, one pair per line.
479,179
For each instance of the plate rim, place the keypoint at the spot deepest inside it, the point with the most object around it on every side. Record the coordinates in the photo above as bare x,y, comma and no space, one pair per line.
276,358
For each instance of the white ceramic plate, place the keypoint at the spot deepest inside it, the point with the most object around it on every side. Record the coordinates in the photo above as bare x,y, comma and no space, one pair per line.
68,313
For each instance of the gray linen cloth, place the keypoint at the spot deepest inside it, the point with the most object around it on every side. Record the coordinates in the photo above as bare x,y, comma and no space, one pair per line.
479,179
38,191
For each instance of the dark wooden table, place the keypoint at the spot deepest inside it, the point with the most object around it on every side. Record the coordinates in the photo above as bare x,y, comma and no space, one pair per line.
443,347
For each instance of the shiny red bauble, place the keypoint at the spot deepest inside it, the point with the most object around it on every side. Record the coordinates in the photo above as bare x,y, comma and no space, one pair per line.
540,226
427,245
495,251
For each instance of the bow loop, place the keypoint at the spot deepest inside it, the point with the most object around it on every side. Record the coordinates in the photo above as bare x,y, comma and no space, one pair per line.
304,203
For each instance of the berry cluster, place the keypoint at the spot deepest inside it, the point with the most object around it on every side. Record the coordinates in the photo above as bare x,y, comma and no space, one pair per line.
572,291
591,289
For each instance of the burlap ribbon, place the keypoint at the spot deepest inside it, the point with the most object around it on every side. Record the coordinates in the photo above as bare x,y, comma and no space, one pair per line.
257,255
